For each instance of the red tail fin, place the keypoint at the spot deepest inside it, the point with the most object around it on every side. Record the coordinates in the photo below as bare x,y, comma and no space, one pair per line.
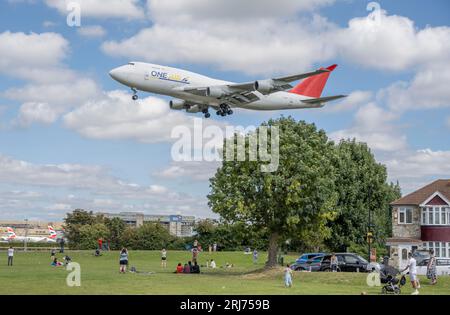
313,86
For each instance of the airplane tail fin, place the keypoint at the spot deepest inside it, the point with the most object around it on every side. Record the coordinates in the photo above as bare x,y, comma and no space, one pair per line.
51,232
313,86
10,232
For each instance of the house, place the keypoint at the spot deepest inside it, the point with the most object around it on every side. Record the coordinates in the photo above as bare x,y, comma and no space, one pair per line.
421,220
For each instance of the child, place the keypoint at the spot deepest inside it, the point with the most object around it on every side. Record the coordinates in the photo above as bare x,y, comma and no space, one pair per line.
164,258
123,260
288,276
179,268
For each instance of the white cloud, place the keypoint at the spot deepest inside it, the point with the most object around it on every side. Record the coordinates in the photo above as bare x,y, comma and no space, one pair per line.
126,9
188,171
351,102
428,90
116,116
192,10
231,45
36,112
92,31
43,51
375,126
391,42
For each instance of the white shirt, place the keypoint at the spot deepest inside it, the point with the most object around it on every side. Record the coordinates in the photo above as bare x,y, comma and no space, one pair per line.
412,266
213,264
10,252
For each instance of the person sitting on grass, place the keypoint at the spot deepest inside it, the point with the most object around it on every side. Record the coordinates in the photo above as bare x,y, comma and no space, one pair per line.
179,268
186,269
213,264
195,268
56,263
67,259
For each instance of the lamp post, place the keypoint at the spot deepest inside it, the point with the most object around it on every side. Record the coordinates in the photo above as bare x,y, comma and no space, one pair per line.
26,235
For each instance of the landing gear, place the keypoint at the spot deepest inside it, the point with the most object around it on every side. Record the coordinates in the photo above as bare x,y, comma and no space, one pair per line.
224,110
206,113
135,97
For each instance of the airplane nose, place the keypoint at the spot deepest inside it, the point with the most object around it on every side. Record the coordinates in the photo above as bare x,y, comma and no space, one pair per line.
119,74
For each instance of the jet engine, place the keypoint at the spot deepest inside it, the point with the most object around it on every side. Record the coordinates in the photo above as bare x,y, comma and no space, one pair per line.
265,86
177,104
215,92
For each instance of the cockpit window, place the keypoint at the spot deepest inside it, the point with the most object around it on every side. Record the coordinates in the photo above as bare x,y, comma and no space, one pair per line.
131,63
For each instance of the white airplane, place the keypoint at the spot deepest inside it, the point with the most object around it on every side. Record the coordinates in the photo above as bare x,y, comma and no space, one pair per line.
12,237
197,93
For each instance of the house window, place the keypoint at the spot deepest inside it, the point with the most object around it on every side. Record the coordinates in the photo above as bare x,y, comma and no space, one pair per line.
430,216
443,216
436,215
405,216
404,254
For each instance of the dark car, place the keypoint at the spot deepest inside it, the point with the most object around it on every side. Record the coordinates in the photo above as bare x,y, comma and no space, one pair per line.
312,264
347,262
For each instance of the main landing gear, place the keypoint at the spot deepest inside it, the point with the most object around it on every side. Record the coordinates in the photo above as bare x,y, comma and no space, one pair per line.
206,113
224,110
135,97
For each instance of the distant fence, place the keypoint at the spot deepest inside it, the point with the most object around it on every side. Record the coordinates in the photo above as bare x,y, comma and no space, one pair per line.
34,249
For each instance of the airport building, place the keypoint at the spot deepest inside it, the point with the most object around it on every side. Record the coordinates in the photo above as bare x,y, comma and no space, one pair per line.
177,225
35,228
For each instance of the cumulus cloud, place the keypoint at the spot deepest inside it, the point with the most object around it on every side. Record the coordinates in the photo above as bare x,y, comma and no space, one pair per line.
188,171
116,116
373,124
43,51
92,31
51,88
125,9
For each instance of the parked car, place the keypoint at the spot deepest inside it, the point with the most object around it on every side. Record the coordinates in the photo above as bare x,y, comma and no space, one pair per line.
312,264
442,267
347,262
307,256
420,255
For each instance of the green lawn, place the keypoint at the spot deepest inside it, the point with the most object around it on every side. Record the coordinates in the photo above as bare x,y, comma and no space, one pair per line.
32,274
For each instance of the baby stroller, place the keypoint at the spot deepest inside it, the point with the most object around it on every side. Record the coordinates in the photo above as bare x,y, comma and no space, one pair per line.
392,285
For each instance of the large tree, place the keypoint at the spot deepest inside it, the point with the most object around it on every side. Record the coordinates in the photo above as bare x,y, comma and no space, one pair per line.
296,199
361,183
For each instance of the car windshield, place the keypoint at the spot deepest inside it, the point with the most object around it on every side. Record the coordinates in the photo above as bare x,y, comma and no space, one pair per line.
363,260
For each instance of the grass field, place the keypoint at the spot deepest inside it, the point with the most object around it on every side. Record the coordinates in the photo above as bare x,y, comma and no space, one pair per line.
32,274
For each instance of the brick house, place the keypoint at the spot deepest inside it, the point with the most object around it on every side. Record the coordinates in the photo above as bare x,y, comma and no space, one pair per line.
421,220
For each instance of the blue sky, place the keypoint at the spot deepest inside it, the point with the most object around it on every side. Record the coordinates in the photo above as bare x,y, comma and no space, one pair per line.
70,137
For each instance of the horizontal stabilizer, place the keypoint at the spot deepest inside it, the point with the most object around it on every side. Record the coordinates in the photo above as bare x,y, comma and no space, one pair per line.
323,99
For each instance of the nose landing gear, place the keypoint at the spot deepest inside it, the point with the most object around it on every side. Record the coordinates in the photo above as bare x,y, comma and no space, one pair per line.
135,97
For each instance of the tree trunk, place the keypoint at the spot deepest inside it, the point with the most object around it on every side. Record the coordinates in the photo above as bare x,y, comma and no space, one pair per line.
273,250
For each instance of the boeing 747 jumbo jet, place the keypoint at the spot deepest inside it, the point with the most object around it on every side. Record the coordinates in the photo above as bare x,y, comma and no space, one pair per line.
197,93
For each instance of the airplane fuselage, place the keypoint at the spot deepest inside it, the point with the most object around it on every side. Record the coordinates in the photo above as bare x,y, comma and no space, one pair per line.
172,82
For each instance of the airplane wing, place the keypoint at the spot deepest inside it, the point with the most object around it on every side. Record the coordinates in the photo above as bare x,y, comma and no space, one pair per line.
321,100
243,93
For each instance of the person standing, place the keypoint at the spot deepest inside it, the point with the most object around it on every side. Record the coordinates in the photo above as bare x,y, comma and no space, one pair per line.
215,247
255,256
412,266
10,256
164,258
288,276
100,243
123,260
333,263
210,249
431,268
61,243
